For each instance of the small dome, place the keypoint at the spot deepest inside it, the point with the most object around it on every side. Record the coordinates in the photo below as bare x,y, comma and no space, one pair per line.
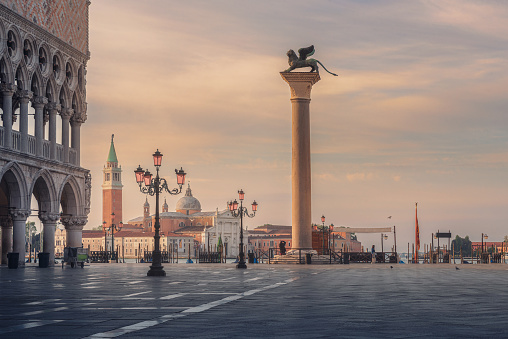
188,203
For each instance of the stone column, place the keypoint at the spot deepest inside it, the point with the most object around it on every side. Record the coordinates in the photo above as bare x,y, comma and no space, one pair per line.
74,230
53,109
48,245
76,121
300,84
66,114
19,233
24,99
7,93
38,104
6,237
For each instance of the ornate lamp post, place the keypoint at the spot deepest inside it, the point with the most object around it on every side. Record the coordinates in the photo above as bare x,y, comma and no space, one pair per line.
240,212
112,228
323,230
155,186
383,236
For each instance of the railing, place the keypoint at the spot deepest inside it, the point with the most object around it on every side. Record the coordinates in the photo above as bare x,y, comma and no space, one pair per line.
165,256
209,257
16,140
32,146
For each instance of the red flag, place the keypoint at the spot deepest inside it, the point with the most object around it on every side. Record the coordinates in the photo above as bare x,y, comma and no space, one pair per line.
417,231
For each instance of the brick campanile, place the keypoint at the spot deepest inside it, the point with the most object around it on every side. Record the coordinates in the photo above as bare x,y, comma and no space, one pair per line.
112,188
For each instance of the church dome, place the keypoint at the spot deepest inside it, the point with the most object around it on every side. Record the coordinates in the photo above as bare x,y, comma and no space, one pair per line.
188,204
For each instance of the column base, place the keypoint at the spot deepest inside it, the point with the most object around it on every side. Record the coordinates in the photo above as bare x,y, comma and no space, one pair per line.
304,251
156,271
241,265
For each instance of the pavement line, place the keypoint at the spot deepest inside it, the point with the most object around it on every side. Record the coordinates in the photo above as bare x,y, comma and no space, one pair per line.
197,309
28,325
133,294
253,279
42,302
134,282
46,311
173,296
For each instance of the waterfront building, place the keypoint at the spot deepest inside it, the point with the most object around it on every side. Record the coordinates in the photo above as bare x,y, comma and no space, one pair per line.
43,57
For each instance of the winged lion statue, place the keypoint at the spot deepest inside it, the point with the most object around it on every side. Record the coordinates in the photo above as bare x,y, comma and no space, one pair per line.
302,61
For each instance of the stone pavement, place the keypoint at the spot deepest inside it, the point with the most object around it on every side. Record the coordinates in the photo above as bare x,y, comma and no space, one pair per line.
276,301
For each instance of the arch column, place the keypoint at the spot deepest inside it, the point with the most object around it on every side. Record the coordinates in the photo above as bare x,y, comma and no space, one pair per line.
74,230
53,109
19,233
76,121
49,226
7,93
38,104
6,223
66,114
24,99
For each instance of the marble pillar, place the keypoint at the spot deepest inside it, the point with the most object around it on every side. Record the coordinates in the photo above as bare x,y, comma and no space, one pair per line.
49,226
66,114
300,84
6,223
38,104
74,230
7,93
19,234
53,111
24,99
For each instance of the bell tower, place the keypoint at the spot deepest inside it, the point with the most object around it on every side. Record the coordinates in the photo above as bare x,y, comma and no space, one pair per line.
112,187
147,220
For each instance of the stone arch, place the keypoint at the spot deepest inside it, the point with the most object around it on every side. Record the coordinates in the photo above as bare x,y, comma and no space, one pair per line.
21,77
28,51
36,85
70,197
71,74
3,37
58,67
51,91
43,188
14,187
6,73
14,43
64,97
43,59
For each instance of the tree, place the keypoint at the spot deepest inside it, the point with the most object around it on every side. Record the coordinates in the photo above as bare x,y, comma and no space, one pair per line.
463,244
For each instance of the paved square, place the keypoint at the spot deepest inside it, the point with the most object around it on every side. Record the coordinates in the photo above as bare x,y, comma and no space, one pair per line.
219,301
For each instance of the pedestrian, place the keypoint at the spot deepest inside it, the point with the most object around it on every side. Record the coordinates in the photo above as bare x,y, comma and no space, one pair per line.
373,254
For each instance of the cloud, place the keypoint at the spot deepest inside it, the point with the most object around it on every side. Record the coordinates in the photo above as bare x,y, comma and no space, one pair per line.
354,177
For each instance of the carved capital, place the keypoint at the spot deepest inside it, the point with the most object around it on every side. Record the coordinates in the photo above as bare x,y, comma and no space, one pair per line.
18,214
24,95
47,217
6,221
74,223
66,113
53,106
39,102
79,118
8,89
300,83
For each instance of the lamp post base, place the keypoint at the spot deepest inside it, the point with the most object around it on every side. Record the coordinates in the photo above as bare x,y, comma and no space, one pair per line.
241,265
156,271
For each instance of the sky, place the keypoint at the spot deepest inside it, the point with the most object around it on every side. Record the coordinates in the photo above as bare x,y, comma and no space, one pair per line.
417,113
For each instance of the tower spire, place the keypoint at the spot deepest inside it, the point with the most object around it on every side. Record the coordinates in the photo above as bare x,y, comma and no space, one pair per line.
112,153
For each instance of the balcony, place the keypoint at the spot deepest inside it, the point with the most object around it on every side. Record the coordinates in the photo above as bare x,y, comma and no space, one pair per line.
16,145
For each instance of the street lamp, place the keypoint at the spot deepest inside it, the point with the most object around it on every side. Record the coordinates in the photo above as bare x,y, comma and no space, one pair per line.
155,186
323,232
112,228
383,236
240,212
484,236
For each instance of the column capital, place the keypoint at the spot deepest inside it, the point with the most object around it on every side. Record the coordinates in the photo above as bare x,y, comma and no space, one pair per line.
6,221
74,223
46,217
39,102
19,214
66,113
8,89
79,118
53,106
300,83
25,95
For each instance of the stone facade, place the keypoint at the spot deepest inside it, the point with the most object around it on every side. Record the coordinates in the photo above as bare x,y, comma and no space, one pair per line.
43,57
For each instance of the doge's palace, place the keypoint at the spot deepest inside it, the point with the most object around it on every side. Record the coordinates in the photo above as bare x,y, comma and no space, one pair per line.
43,57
